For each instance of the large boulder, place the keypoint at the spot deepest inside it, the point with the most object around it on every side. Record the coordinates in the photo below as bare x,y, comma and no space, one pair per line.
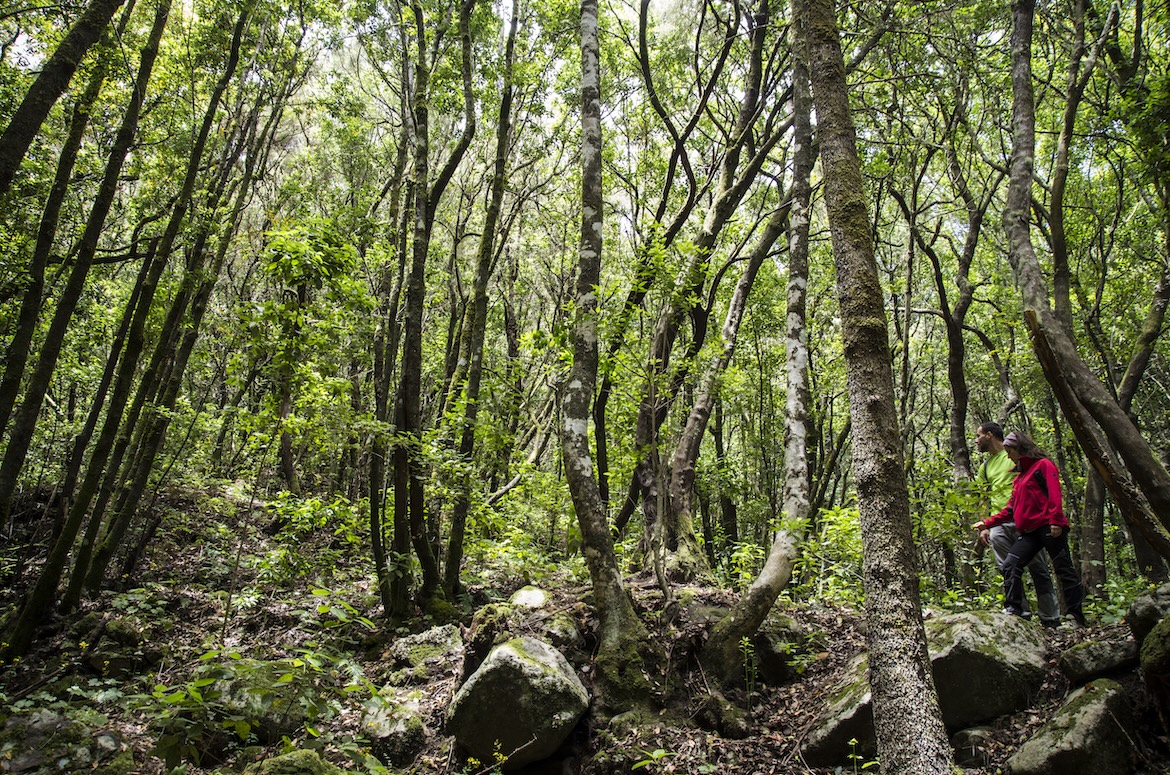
1155,659
521,704
1146,611
985,665
1087,736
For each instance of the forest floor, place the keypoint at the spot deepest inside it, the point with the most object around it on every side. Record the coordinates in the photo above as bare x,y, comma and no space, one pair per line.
220,581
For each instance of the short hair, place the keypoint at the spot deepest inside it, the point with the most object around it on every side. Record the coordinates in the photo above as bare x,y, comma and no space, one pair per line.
993,428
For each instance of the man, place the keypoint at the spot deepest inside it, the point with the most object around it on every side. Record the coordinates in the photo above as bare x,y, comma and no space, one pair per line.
995,477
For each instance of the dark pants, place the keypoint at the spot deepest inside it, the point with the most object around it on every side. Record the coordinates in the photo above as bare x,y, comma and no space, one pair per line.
1027,546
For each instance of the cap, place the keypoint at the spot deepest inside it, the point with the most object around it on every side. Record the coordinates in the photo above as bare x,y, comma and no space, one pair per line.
1011,440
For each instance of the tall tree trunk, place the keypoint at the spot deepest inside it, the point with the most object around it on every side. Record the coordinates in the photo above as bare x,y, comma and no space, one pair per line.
50,85
472,350
620,680
911,737
409,466
25,422
391,588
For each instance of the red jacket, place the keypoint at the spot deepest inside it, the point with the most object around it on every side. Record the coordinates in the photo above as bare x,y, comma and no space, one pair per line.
1036,499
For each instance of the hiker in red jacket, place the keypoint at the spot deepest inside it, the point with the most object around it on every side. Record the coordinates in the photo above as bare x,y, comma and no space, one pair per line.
1035,507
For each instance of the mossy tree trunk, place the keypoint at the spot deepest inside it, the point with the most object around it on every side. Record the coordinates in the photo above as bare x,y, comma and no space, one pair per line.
911,737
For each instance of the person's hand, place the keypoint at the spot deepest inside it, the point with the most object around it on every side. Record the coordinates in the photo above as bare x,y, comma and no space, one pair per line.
978,526
1055,530
985,537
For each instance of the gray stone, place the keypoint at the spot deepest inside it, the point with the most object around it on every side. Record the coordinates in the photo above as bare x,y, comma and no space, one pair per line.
1095,659
521,703
417,659
529,597
1087,736
1155,659
985,665
395,725
1147,610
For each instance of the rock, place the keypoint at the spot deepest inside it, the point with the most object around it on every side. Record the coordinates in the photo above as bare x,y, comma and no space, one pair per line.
46,742
1155,661
985,665
1087,736
849,717
776,643
1095,659
529,597
521,703
294,763
417,659
562,632
1146,611
395,726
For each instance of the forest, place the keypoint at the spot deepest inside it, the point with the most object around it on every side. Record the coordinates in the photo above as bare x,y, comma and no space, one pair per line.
403,305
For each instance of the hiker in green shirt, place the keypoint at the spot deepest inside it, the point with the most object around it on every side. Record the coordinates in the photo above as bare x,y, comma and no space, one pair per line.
995,477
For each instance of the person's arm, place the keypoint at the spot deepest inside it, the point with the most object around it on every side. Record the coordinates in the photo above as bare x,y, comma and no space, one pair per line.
995,519
1054,508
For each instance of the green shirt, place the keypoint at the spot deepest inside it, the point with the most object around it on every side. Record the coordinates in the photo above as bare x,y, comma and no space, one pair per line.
997,474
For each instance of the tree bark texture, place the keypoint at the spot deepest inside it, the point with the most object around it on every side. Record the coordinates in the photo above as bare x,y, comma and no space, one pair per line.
910,734
721,653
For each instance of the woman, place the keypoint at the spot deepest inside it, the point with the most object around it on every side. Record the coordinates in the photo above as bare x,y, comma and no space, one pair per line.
1035,506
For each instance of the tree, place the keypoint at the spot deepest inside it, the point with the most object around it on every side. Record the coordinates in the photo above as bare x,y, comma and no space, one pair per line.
622,637
910,733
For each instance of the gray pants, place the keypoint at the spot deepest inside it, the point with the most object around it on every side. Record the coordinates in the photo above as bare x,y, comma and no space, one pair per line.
1002,538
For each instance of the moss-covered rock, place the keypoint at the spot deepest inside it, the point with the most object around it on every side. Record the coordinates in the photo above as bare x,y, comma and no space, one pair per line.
521,704
48,742
1147,610
417,659
1087,736
395,725
985,665
1095,659
1155,661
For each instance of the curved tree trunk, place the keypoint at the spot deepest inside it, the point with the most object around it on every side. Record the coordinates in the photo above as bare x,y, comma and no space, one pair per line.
721,653
910,734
